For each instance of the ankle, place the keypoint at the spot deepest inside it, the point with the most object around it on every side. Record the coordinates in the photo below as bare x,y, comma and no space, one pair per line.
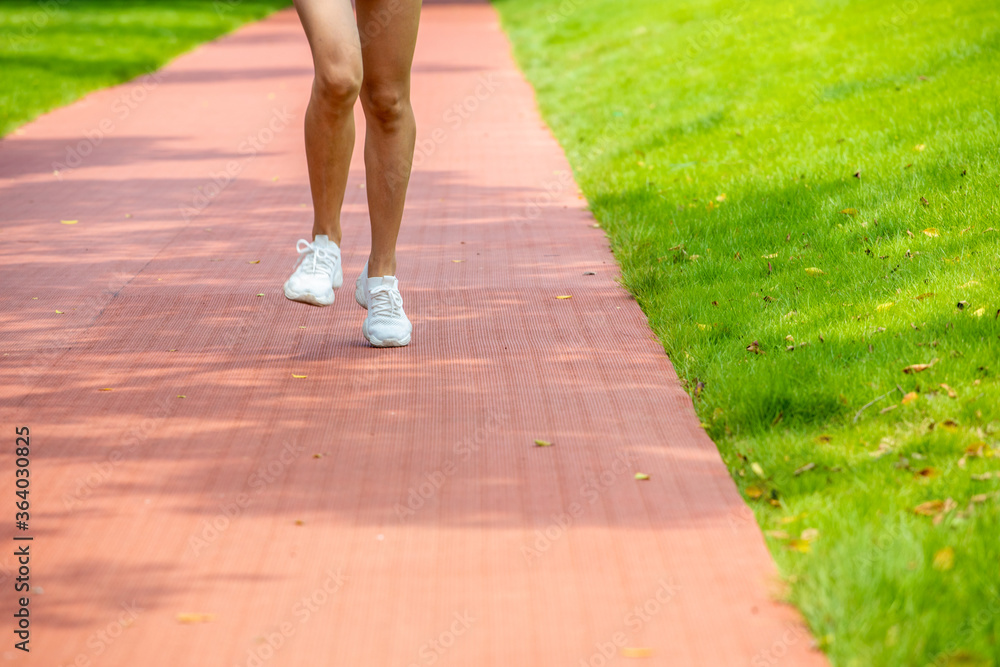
333,234
381,266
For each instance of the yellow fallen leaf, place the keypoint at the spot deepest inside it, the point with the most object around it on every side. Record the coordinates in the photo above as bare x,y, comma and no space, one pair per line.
69,222
173,349
932,232
930,508
703,327
917,368
637,652
256,261
754,492
813,271
641,476
721,197
300,377
944,559
301,327
884,306
458,261
801,546
195,618
925,295
809,534
910,397
261,294
919,147
565,296
300,522
979,312
771,256
107,389
850,211
59,312
181,396
951,392
969,284
543,443
756,467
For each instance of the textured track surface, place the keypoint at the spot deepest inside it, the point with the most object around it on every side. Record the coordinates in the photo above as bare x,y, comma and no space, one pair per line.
389,508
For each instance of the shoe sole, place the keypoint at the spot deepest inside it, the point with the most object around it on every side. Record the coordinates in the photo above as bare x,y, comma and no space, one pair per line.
359,294
391,342
307,298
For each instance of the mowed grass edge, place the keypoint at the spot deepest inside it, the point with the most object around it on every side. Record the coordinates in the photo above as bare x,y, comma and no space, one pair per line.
54,52
804,200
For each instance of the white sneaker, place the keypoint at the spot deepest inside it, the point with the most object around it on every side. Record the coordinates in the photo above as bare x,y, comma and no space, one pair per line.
317,272
386,324
361,288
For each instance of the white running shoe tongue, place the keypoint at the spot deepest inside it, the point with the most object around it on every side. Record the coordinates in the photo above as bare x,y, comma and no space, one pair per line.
382,280
322,240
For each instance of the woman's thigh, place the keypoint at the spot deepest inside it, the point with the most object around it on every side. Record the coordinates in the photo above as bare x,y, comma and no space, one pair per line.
387,34
333,38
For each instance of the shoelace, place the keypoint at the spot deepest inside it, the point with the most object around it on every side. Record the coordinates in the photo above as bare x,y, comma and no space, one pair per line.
318,253
391,306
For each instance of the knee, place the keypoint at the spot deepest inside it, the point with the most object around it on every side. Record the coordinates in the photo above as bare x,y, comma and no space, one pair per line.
385,104
336,87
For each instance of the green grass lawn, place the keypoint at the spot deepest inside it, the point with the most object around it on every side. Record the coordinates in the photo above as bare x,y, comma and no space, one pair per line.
54,51
818,182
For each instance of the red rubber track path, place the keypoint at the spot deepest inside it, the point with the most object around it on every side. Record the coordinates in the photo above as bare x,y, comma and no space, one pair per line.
390,508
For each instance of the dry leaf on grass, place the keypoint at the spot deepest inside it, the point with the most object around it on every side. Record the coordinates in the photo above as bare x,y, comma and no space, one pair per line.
944,559
917,368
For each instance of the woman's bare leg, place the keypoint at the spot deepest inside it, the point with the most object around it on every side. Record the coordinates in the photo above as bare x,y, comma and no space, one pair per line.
388,35
329,125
